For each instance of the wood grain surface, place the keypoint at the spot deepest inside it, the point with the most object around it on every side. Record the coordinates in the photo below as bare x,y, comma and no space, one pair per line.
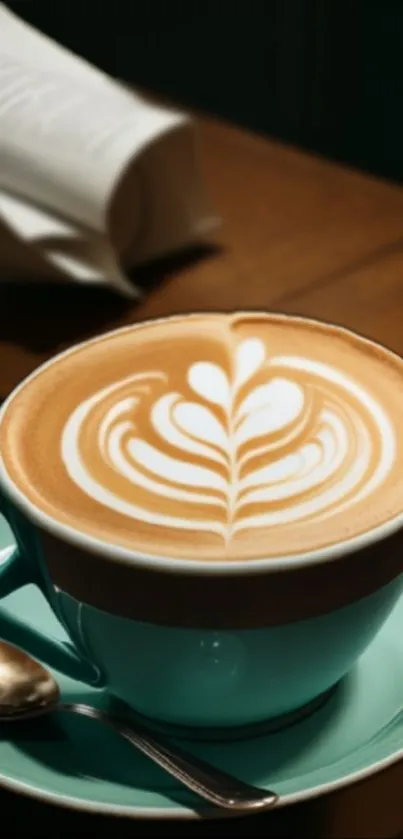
299,235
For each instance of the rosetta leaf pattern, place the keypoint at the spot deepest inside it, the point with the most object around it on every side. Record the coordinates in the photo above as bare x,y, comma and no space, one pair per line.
273,441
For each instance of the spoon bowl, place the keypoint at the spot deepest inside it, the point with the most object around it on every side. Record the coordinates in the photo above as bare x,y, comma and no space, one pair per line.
26,687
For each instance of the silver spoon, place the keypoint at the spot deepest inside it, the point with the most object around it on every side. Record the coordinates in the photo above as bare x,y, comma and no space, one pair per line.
27,691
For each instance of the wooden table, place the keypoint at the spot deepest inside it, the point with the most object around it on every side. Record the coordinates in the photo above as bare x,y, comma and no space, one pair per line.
300,235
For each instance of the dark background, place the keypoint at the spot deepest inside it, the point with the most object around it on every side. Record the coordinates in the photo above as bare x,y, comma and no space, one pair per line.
323,74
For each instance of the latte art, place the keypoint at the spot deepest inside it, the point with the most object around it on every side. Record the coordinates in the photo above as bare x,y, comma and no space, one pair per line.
213,437
270,441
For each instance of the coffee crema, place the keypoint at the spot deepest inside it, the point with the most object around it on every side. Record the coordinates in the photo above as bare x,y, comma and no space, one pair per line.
213,437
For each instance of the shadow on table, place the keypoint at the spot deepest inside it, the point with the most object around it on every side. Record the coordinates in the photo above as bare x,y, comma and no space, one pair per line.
150,277
43,316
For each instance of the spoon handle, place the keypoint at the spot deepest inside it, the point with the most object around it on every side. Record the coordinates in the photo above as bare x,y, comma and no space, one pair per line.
210,783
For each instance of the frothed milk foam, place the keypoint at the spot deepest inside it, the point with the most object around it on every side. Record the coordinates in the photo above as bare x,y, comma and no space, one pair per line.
213,437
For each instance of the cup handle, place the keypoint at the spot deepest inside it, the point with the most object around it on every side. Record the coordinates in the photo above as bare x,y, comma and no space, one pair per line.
19,570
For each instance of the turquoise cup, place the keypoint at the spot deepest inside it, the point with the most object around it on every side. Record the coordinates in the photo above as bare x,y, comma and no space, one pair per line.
191,642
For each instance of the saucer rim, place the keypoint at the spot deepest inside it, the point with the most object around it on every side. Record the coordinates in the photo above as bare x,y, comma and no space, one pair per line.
185,813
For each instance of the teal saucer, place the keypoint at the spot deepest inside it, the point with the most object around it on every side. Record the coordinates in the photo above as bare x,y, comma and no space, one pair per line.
75,762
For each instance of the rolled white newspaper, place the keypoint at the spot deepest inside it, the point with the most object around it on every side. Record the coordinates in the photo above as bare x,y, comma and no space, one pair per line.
93,178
